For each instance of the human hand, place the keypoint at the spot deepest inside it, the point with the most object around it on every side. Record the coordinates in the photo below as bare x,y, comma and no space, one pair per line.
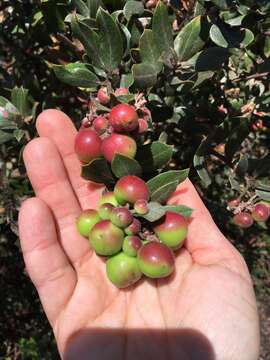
206,310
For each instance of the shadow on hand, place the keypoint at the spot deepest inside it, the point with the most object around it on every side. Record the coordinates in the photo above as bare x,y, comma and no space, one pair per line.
142,344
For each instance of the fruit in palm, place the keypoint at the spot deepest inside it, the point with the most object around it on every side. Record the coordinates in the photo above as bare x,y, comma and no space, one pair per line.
129,189
87,145
123,118
118,144
86,221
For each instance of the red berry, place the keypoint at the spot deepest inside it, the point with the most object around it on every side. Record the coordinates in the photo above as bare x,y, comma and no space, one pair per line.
141,207
172,229
121,91
131,245
143,125
123,117
121,217
134,228
233,203
103,96
118,144
156,260
129,189
243,219
100,124
87,145
261,212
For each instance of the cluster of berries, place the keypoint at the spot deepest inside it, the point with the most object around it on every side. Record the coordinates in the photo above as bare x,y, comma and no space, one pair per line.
118,229
259,213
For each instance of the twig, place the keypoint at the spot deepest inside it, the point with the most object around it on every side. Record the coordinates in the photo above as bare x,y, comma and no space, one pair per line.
254,76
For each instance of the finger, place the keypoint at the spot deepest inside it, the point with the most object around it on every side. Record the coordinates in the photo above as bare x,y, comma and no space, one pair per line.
49,180
45,260
205,242
59,128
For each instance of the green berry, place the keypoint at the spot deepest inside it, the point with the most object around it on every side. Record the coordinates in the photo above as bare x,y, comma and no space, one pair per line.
131,245
105,211
86,220
108,198
121,217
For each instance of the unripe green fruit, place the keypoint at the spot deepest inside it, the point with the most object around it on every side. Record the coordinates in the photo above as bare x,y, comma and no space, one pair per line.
134,228
172,229
108,198
129,189
141,207
156,260
131,245
123,270
106,238
86,220
105,211
121,217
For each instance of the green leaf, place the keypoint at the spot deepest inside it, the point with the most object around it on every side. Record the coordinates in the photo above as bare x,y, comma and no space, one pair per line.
76,74
145,75
149,52
156,211
228,37
154,156
18,134
93,6
19,97
126,80
162,29
263,194
264,67
81,7
211,59
5,137
180,209
223,4
8,114
239,134
122,166
162,186
200,163
110,42
133,8
90,40
98,171
190,39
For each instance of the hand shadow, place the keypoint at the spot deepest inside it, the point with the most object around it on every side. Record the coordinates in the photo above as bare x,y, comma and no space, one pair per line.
138,344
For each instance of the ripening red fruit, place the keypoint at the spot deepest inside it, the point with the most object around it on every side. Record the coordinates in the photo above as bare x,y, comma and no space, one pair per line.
121,91
100,124
141,207
124,118
131,245
118,144
103,96
105,211
156,260
129,189
106,238
143,125
121,217
261,212
134,228
172,229
108,198
233,203
243,219
87,145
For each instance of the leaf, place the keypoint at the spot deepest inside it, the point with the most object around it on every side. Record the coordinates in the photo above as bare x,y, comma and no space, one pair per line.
81,7
90,40
260,167
122,165
76,74
223,4
133,8
203,76
239,134
19,97
8,114
145,75
200,164
162,29
190,39
156,211
18,134
228,37
154,156
211,59
180,209
264,67
5,137
98,171
149,52
164,184
263,194
93,6
242,166
126,80
110,40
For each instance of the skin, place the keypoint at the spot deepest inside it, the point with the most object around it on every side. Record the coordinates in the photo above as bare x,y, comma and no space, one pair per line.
209,294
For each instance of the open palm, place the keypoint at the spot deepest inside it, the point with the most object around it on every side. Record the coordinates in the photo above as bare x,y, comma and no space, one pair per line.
208,305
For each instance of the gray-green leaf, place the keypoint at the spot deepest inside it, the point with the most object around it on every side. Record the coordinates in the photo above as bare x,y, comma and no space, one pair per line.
122,166
156,211
149,51
162,29
227,37
98,171
180,209
133,8
145,75
154,156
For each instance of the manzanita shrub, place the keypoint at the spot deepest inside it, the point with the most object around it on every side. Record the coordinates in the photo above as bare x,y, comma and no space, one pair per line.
132,226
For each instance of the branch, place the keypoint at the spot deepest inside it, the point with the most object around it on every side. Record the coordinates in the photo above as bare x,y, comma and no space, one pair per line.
254,76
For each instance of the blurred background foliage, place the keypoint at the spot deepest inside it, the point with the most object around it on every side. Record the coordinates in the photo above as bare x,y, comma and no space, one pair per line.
203,67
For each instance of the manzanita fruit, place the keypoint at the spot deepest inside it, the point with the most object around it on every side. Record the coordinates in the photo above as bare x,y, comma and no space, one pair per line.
141,206
134,228
100,125
156,260
261,212
86,220
103,96
87,145
118,144
172,229
108,197
123,118
131,245
243,219
105,211
121,217
121,91
129,189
